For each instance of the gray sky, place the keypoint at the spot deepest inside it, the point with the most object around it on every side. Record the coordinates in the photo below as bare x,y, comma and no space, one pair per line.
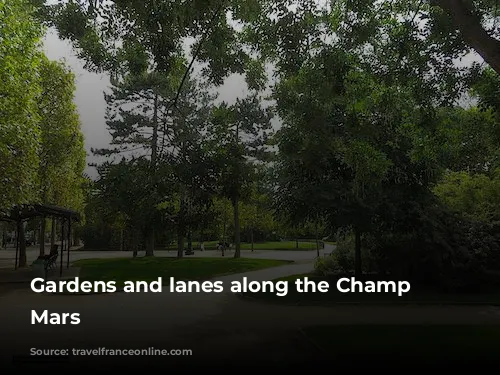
89,96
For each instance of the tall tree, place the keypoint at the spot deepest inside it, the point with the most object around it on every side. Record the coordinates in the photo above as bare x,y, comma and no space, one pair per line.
349,145
135,116
105,34
141,121
240,133
61,154
186,150
20,56
256,214
471,19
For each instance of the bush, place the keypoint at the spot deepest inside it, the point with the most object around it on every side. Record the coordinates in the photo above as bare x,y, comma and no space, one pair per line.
341,259
439,249
430,247
326,265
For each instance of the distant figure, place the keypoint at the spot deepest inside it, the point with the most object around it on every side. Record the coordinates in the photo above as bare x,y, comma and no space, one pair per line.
221,246
202,247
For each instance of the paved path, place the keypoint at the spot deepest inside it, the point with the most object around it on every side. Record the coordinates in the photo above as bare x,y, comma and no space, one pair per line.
206,323
7,257
210,324
216,325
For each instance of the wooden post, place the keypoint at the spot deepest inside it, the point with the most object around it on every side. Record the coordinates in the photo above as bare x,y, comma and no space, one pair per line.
316,234
41,238
62,247
17,244
69,241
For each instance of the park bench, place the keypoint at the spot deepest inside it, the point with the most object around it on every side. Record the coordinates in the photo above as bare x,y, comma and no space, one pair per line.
46,262
49,261
189,252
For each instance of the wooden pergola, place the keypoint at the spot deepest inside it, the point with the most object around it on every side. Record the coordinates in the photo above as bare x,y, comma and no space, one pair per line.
22,213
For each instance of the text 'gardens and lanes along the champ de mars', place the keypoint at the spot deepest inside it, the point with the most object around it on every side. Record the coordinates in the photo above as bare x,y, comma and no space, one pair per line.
280,288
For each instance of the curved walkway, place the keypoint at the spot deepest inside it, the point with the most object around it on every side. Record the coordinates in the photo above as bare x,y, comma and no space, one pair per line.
212,324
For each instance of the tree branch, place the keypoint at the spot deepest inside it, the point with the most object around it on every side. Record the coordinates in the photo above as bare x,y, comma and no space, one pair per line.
473,33
196,52
173,103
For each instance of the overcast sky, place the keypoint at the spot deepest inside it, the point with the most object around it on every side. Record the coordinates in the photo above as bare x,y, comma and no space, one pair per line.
89,96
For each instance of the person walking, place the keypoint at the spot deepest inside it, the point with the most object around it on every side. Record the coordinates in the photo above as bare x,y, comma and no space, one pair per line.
221,247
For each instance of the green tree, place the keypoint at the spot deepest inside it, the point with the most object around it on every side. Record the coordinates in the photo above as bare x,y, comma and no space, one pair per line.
239,136
468,139
121,199
223,210
471,20
20,56
256,214
188,153
135,117
477,196
61,153
351,144
141,120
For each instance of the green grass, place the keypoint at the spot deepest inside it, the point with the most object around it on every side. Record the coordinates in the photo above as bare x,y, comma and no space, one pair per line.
406,344
281,245
209,245
333,296
150,268
276,245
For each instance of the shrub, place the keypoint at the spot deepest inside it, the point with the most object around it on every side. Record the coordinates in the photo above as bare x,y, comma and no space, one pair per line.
341,259
326,265
441,249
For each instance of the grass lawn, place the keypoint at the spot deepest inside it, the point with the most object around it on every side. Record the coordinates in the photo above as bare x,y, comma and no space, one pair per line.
276,245
209,245
334,296
280,245
407,345
150,268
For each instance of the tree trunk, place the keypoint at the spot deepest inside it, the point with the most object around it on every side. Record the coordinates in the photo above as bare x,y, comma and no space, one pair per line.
150,239
181,227
237,245
53,233
150,247
251,237
135,244
224,237
4,236
76,240
121,239
190,241
472,31
202,245
180,242
358,270
296,243
43,224
22,245
317,242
